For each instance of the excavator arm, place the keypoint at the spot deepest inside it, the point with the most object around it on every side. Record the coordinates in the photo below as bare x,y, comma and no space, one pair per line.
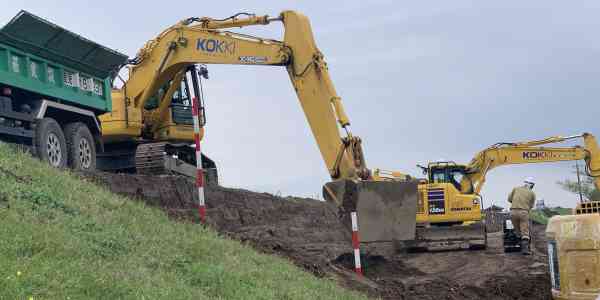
531,152
387,208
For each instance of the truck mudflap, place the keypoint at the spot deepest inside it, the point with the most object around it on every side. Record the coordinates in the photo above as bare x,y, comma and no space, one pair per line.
386,209
442,238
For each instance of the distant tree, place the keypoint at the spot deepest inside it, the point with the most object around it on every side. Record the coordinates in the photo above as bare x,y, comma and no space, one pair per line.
587,188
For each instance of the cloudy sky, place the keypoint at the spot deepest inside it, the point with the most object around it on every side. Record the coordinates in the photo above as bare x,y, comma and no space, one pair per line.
420,80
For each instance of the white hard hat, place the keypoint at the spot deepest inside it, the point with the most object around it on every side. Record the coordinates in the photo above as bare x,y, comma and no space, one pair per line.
529,180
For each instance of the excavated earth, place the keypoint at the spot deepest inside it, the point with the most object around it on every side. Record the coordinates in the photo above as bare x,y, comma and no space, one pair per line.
307,232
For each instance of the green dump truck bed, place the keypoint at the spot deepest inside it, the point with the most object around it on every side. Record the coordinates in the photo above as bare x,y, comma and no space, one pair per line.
41,57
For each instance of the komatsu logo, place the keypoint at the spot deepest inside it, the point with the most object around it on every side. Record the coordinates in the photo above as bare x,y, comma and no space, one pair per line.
436,210
214,46
534,154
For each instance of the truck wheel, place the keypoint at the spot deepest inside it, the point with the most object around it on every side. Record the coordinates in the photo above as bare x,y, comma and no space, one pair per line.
50,143
81,147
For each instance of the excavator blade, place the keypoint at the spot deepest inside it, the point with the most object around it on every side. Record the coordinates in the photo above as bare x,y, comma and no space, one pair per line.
386,210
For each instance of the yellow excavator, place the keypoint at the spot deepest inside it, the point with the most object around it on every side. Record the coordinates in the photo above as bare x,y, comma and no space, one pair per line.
449,204
165,71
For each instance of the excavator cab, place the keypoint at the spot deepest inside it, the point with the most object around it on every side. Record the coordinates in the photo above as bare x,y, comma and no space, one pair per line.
446,172
172,125
442,199
181,106
176,123
447,218
181,103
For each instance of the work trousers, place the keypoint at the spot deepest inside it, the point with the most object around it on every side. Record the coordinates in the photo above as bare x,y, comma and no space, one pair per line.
520,220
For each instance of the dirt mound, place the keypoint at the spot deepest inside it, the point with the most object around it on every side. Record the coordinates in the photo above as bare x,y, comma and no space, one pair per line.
308,233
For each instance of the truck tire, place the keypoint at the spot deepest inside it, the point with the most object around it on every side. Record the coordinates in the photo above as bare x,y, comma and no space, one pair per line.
50,144
80,147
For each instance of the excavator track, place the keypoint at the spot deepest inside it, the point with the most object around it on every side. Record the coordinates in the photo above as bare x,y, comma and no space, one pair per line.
167,158
442,238
150,159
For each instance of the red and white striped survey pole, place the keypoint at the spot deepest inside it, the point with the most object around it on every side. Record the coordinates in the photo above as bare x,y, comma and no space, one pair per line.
356,243
199,171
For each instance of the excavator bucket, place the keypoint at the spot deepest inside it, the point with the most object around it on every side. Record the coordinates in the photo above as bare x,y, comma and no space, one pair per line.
386,210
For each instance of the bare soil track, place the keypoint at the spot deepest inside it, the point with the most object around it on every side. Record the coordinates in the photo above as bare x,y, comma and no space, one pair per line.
308,233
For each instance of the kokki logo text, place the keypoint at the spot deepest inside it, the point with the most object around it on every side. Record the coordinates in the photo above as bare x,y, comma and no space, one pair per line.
549,155
214,46
534,154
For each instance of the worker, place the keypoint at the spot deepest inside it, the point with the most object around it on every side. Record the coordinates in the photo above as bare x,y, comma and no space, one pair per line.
522,200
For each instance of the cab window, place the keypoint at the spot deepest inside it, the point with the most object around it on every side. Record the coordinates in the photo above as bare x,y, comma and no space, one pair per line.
439,176
456,176
447,175
180,97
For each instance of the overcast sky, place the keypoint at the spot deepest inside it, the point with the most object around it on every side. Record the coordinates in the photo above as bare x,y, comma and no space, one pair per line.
420,80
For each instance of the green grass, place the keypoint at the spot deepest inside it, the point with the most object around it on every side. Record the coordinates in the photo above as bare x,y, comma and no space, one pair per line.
542,216
63,238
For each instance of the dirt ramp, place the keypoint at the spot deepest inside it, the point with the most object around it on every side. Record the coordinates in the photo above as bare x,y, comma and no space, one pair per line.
304,230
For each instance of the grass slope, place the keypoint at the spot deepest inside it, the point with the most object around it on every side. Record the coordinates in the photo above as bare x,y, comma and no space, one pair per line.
63,238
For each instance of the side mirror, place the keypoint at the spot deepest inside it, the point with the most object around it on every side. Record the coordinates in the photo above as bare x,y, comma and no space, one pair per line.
424,169
203,71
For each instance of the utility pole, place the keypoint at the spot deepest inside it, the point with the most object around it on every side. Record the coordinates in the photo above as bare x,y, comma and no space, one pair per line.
579,182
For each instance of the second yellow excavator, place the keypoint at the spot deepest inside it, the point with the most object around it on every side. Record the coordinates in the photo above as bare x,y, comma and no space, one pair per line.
449,211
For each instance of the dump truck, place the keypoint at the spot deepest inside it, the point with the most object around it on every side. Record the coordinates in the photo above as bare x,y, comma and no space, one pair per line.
54,87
